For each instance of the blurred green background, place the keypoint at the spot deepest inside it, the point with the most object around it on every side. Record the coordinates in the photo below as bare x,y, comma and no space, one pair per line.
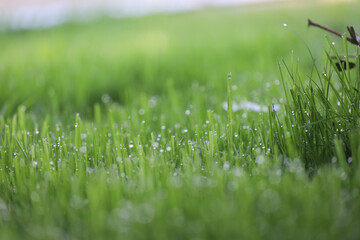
69,68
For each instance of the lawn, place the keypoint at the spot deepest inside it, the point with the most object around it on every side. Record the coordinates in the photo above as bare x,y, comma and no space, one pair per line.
149,127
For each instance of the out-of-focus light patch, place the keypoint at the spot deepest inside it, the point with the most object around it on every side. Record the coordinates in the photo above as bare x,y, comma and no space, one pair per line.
27,14
249,106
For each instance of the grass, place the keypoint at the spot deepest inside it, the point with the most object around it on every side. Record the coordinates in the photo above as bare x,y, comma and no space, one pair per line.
115,129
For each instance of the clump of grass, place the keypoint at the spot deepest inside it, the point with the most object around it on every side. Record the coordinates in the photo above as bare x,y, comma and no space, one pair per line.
319,112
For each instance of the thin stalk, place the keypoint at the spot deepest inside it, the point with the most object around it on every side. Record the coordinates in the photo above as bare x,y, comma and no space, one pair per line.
311,23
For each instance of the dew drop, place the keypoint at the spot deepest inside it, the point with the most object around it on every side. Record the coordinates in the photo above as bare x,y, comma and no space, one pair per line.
105,98
155,145
226,166
83,149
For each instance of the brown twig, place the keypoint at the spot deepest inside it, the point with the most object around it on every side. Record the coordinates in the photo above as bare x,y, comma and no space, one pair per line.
352,40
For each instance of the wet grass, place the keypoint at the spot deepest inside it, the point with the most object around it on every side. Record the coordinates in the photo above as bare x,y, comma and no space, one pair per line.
116,129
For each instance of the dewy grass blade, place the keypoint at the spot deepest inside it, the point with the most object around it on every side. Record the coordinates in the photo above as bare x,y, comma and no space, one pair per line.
22,149
229,112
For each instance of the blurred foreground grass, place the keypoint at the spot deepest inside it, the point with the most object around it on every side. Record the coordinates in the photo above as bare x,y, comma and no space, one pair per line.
152,154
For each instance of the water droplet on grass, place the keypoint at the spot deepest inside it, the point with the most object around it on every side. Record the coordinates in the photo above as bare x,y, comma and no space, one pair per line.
153,101
226,166
260,159
155,145
105,98
83,149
